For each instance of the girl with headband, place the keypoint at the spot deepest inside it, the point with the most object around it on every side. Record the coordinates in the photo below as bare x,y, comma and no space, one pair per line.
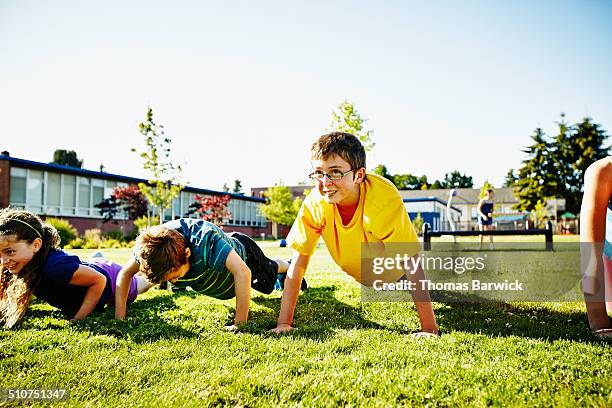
32,263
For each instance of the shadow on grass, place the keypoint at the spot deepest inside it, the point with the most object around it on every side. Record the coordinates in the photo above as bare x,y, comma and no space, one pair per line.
319,314
143,324
500,319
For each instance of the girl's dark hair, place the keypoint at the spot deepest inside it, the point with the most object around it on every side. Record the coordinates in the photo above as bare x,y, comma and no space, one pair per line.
16,290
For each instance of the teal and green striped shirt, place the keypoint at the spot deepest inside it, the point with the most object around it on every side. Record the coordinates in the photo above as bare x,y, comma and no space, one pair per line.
209,250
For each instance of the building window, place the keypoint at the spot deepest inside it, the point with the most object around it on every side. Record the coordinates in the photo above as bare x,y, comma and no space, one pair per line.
35,190
54,193
18,186
84,196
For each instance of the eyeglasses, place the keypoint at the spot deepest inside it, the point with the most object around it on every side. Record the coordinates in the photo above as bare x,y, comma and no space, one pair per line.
333,175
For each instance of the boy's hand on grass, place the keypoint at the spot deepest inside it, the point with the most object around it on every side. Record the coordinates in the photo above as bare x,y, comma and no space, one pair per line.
425,335
282,328
232,328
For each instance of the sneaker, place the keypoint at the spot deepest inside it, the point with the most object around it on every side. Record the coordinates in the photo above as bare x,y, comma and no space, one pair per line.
280,282
98,254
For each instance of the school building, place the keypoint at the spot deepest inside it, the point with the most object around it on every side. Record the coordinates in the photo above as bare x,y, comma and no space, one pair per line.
71,193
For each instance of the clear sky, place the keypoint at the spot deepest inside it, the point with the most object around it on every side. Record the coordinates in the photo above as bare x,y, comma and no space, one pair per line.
243,87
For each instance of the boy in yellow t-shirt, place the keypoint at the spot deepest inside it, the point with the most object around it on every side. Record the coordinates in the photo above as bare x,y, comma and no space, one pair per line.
349,208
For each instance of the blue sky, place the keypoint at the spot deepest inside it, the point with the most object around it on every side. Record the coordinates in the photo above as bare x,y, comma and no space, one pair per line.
244,88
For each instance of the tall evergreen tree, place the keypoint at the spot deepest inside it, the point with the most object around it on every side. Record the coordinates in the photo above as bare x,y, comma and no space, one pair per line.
588,143
537,178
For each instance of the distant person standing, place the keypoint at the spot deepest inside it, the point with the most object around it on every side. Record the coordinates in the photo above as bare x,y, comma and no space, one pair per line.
485,216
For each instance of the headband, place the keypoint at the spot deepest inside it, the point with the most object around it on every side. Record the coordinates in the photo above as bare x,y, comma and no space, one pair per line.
25,223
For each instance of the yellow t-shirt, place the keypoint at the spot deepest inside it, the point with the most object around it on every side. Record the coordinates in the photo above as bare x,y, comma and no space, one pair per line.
380,218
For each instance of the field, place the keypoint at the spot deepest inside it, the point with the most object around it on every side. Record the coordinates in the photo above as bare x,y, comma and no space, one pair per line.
172,351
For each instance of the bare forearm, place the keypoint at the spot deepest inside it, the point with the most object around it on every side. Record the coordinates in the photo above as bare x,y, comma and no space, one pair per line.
422,302
243,296
92,296
122,289
290,294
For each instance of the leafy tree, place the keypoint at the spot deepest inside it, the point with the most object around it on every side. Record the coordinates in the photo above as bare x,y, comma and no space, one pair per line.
212,208
226,188
408,181
455,179
345,118
67,158
381,170
537,178
237,187
128,199
163,186
436,185
281,207
486,186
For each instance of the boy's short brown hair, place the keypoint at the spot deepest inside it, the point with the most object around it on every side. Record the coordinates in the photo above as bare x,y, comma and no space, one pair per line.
342,144
159,250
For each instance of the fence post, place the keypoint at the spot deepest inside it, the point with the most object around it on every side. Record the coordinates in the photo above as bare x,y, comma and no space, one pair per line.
426,237
549,235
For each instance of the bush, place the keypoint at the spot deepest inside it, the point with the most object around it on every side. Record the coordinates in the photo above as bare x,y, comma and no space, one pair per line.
76,243
418,223
93,238
112,243
65,230
115,234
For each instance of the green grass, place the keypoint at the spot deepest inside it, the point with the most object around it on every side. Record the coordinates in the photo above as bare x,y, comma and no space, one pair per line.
173,351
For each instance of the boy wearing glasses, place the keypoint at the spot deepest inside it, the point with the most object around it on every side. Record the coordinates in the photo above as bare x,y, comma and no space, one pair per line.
348,208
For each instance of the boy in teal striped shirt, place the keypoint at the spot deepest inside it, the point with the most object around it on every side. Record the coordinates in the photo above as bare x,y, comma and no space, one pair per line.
197,254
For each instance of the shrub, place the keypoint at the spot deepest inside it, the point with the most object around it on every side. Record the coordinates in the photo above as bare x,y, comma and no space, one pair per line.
114,234
65,230
93,238
76,243
112,243
418,223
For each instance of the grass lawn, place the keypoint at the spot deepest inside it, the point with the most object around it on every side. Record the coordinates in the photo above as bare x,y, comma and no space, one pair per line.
172,351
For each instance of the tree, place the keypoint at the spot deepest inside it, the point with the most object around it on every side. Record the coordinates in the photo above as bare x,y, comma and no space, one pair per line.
511,178
345,118
237,187
455,179
537,178
381,170
163,186
555,168
409,181
576,148
226,188
212,208
280,207
128,199
66,158
486,186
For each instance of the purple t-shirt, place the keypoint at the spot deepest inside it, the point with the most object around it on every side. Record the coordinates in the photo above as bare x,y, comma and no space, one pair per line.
55,289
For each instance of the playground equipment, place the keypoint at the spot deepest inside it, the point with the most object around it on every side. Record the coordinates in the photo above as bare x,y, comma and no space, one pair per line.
547,232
